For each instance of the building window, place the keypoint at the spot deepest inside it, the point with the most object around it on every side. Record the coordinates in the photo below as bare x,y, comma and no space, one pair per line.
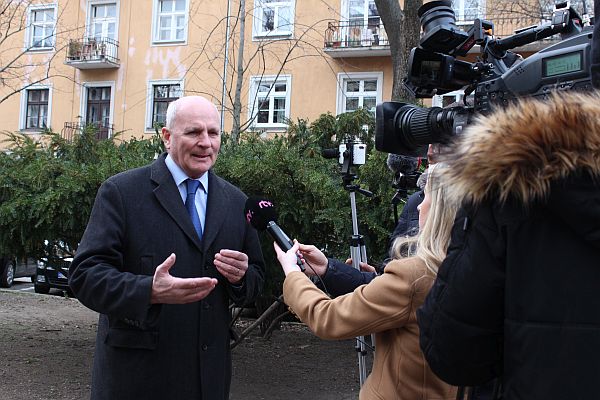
364,26
363,13
36,110
452,99
97,103
161,94
468,10
273,18
170,23
359,91
103,21
270,101
42,21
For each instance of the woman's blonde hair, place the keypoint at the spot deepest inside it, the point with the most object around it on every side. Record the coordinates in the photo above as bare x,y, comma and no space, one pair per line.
431,244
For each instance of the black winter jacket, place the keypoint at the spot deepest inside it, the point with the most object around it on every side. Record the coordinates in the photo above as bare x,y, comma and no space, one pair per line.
518,295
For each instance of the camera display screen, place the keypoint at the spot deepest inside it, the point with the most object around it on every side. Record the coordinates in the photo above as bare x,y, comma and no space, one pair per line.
562,64
430,70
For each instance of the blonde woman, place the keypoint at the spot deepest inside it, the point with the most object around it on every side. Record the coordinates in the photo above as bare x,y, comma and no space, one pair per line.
386,306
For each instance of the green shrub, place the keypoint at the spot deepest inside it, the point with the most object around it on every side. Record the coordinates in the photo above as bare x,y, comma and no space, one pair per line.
47,187
47,190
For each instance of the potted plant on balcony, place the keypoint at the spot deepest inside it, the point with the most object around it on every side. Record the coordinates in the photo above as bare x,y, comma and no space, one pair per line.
74,50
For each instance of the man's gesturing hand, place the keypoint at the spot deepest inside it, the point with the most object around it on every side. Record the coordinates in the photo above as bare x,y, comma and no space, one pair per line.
232,265
167,289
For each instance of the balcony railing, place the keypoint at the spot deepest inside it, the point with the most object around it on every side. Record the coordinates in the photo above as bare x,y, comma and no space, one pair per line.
349,39
72,129
93,53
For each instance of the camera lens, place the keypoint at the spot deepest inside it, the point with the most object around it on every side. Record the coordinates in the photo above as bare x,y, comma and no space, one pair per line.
407,129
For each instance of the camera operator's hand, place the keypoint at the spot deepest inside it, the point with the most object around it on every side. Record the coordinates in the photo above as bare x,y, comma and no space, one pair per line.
364,267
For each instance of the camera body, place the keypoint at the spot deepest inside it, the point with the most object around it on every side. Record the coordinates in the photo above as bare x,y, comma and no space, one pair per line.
352,153
498,77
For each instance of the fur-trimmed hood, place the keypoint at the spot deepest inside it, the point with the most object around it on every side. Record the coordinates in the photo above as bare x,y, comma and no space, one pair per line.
520,151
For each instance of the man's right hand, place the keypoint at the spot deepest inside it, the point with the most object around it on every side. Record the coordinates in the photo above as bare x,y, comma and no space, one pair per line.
167,289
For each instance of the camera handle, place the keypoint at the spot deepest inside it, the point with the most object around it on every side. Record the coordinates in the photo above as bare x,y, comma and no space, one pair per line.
358,253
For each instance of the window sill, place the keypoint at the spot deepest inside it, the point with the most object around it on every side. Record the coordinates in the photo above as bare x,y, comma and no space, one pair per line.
33,130
40,49
272,36
270,127
169,43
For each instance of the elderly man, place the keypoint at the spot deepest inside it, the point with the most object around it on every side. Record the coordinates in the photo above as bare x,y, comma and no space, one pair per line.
165,250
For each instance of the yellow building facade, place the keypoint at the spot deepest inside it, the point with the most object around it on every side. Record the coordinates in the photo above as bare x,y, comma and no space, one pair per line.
118,63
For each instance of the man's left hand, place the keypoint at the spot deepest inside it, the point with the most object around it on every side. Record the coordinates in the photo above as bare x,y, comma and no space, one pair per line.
232,265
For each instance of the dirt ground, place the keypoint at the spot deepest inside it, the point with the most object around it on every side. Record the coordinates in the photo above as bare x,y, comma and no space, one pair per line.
47,342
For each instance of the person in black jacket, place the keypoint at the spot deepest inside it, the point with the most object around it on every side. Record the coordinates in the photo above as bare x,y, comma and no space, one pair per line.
160,262
595,68
517,295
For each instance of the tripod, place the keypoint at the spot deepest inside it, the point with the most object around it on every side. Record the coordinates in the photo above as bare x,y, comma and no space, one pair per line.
358,254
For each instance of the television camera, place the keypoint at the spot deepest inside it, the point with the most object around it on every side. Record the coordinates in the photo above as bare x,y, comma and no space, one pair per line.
498,77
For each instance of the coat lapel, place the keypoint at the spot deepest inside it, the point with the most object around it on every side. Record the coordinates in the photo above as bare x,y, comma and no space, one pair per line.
217,207
168,196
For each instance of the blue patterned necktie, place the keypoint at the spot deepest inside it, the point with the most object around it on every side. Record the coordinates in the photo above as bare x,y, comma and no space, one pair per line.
190,205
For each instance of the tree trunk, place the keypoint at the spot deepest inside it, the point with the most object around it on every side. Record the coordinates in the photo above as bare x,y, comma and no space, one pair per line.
237,103
403,31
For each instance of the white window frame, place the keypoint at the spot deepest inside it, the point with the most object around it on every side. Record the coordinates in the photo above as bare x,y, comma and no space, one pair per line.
459,9
84,100
28,46
346,11
255,81
258,33
23,110
356,76
150,98
92,3
155,37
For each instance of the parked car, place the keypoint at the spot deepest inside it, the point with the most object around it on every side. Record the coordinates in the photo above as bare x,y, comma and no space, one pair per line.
52,275
11,268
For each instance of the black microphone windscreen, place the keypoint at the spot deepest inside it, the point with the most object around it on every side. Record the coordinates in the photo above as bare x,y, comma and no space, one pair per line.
404,164
259,212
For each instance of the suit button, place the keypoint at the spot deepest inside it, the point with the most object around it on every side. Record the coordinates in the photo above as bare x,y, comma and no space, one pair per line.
204,347
206,306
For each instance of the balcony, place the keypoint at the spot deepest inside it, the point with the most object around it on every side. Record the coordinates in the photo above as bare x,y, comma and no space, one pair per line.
72,129
348,39
93,53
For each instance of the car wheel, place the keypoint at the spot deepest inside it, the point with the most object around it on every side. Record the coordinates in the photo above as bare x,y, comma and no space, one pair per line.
42,289
8,275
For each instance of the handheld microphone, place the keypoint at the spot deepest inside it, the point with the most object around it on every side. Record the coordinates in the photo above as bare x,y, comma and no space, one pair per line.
261,214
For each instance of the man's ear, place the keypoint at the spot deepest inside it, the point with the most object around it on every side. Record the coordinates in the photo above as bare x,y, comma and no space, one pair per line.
166,138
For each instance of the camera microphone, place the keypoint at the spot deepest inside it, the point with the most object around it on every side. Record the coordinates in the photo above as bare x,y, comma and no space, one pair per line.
402,164
262,215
